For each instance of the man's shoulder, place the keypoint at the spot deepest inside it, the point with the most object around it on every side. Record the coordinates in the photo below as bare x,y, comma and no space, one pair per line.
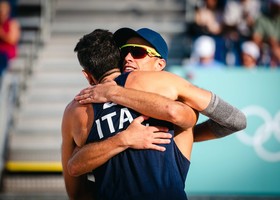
154,77
74,108
76,120
72,105
141,74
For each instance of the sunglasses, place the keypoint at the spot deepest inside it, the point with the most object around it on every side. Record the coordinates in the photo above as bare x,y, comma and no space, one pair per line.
138,51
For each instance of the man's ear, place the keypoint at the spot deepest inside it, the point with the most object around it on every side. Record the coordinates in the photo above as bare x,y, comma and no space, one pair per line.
89,78
161,64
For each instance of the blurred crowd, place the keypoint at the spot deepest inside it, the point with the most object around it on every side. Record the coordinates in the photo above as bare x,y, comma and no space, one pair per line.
244,33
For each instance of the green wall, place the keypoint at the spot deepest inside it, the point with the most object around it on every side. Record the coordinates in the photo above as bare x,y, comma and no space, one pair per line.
247,162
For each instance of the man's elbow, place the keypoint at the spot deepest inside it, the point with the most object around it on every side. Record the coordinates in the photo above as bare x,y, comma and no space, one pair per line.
72,170
173,116
177,116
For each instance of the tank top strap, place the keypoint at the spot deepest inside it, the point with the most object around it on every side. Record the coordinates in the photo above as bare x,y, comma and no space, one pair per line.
121,79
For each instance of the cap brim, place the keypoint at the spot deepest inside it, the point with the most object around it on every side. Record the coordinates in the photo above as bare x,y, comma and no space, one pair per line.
123,34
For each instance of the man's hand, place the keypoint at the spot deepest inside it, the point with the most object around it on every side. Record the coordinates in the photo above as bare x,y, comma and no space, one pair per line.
96,94
138,136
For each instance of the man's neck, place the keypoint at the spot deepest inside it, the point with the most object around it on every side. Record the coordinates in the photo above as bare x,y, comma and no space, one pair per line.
110,75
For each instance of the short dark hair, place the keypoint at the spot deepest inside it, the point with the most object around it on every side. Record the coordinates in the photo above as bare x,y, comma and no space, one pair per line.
98,53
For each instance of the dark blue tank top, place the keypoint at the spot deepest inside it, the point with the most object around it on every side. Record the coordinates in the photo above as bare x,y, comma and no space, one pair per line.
136,174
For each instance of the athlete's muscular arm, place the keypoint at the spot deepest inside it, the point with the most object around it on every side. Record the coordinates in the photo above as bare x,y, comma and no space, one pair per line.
194,97
202,132
202,100
77,123
136,136
75,186
147,103
224,120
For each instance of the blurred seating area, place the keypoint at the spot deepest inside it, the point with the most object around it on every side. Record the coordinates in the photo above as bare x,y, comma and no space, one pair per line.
246,33
34,17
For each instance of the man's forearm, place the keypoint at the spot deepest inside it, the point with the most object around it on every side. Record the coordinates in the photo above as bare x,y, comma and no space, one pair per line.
202,132
136,136
195,97
141,101
79,190
153,105
226,119
94,155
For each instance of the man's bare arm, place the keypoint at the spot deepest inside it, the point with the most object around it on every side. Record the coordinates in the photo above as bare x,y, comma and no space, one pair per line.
147,103
136,136
202,100
75,186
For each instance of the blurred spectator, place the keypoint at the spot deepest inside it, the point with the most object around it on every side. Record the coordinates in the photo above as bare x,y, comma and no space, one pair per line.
9,35
238,20
240,16
208,21
250,54
208,18
267,31
203,54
